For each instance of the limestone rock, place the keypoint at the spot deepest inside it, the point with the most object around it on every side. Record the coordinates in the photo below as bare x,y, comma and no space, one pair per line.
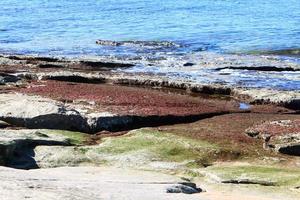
289,99
38,112
16,146
70,183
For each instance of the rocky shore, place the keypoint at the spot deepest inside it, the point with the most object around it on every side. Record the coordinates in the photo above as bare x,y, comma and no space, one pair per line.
90,129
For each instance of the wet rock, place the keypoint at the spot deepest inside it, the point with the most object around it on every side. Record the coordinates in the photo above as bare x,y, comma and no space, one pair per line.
108,43
105,65
188,64
7,78
34,58
184,187
77,79
261,68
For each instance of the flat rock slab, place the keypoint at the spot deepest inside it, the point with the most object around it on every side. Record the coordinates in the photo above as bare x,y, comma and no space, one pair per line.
289,99
87,183
38,112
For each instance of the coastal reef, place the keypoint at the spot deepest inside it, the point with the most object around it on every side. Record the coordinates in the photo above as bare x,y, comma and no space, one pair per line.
97,129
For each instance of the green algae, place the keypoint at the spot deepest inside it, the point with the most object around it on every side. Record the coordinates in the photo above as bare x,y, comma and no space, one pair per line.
74,138
277,175
165,146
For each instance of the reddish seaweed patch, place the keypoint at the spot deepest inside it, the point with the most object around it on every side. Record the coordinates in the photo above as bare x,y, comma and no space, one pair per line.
228,130
273,128
131,100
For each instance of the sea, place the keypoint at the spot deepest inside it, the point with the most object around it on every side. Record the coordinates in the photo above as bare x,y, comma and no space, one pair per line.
168,34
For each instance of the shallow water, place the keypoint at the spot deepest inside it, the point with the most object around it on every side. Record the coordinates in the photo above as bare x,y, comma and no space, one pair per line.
71,28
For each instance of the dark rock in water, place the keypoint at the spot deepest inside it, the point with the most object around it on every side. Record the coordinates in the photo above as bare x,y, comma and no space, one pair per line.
105,65
148,44
45,66
108,43
188,64
260,68
33,58
184,187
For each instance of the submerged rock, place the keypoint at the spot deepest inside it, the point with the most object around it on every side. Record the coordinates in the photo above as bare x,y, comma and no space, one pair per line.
147,44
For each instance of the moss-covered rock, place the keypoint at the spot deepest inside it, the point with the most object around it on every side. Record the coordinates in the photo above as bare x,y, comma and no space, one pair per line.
255,174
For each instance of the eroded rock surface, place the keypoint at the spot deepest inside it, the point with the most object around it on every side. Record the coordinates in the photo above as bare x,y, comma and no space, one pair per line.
282,136
16,146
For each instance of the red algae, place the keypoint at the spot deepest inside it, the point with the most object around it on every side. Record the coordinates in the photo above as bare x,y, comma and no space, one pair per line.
229,129
130,100
279,127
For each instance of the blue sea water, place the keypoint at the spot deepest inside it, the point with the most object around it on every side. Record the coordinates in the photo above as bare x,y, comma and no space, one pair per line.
71,27
206,32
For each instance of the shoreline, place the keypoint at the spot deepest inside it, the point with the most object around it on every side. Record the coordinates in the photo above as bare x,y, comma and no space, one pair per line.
115,72
62,115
